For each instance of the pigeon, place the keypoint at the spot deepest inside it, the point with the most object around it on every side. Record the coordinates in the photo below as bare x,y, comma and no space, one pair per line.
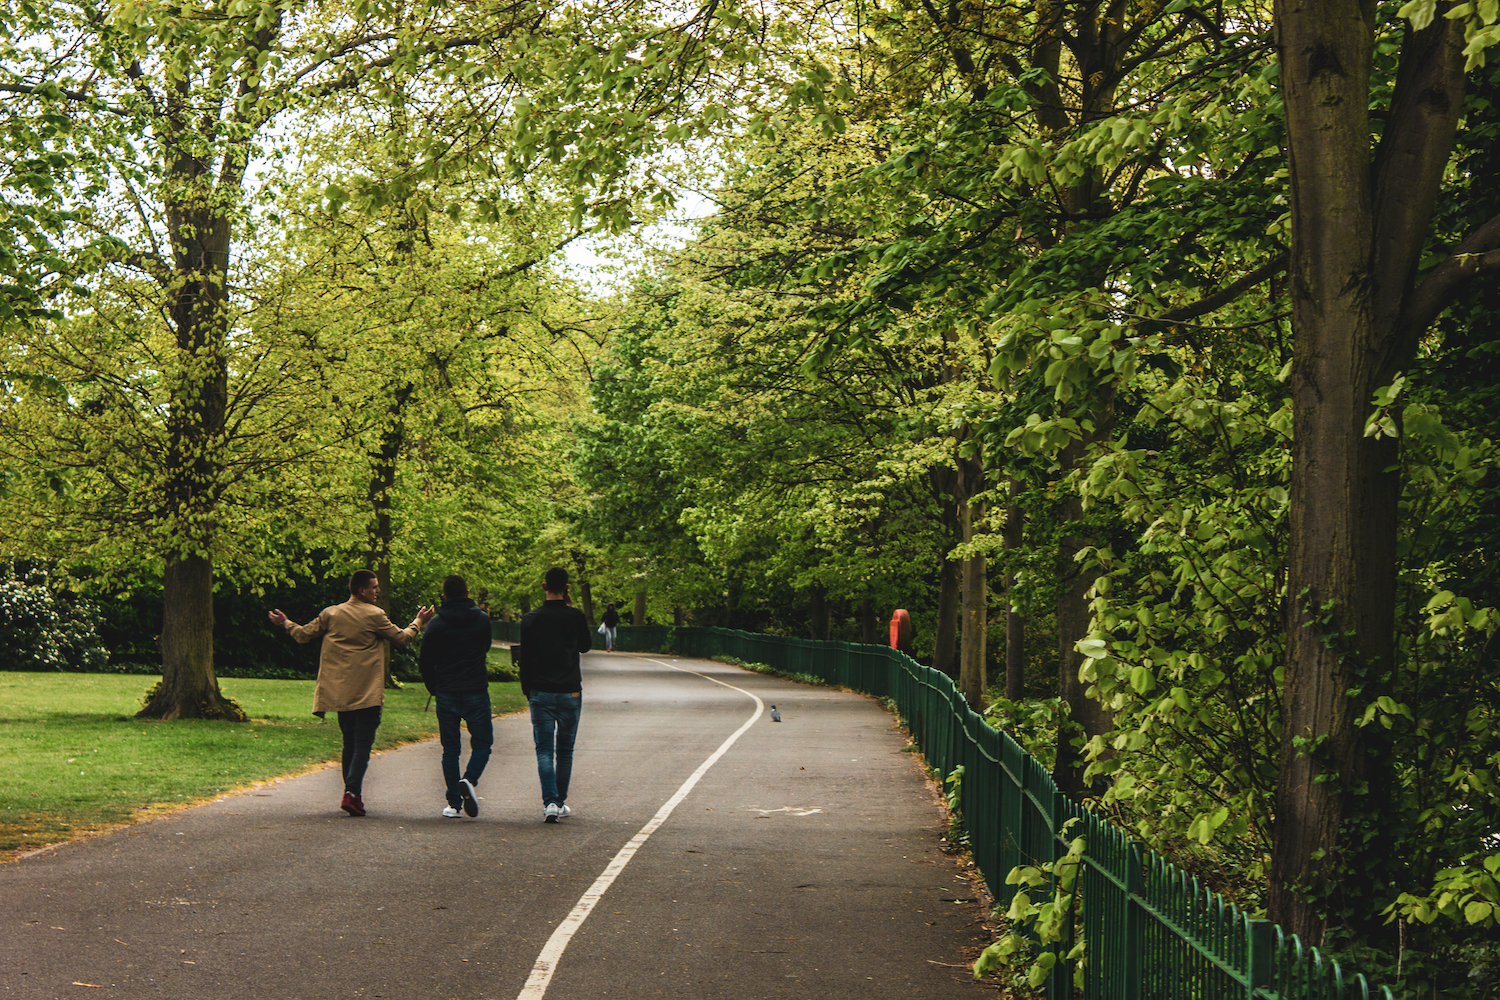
775,715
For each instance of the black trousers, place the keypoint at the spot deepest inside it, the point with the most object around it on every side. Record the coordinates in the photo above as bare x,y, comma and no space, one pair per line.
358,728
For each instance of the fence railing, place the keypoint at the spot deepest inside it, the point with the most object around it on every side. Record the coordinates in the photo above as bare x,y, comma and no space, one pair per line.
1152,932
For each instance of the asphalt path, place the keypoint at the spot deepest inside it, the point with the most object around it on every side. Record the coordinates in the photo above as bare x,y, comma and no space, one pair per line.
711,853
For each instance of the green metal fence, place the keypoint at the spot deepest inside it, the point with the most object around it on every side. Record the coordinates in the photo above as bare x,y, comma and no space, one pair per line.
1152,932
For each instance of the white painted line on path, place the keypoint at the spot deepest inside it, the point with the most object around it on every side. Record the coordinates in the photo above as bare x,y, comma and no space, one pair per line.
546,962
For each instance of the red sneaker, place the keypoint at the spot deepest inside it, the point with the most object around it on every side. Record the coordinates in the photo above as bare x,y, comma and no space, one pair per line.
352,804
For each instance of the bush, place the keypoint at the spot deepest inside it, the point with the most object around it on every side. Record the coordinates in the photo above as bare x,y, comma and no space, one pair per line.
44,630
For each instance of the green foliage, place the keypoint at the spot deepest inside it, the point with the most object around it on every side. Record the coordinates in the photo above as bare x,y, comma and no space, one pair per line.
1186,645
953,798
1032,723
497,666
45,630
1038,931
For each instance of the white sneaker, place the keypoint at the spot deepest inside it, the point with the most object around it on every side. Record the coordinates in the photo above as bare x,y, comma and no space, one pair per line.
551,813
451,812
470,797
563,812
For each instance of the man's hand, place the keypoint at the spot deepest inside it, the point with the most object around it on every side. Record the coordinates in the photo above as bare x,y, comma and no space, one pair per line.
277,618
424,615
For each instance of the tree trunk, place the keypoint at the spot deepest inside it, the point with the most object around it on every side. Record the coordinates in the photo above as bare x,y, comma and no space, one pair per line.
188,688
944,485
1015,625
193,461
382,484
585,589
945,635
818,597
975,633
639,618
1331,385
1357,236
869,625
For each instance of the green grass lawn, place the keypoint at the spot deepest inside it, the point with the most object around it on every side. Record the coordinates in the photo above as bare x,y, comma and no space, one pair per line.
74,760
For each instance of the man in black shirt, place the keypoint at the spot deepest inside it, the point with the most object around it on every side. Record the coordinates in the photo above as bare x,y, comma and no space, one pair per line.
552,637
453,667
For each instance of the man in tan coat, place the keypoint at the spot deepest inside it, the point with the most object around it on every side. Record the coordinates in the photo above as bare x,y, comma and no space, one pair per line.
351,671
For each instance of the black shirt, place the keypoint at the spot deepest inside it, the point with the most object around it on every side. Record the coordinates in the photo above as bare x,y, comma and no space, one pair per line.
552,636
454,648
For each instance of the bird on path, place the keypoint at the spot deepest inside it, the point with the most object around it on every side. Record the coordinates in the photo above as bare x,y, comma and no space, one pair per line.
775,715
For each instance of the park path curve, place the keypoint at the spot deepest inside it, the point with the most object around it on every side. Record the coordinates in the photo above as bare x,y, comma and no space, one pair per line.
806,862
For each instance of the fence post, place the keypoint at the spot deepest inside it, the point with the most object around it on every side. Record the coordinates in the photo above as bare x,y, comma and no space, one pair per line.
1262,948
1135,885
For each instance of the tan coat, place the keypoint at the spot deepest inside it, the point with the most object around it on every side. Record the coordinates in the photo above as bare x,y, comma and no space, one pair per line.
351,668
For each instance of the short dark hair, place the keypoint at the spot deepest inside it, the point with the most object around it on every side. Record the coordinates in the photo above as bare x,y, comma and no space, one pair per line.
556,580
360,579
454,587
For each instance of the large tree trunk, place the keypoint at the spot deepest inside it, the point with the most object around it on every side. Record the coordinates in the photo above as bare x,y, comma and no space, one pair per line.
639,618
1015,625
384,459
193,463
976,605
188,688
1357,236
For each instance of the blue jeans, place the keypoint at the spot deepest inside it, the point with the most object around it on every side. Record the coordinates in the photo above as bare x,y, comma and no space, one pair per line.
554,727
473,709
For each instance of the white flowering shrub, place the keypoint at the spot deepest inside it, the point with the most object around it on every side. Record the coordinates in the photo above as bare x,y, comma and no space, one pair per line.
40,630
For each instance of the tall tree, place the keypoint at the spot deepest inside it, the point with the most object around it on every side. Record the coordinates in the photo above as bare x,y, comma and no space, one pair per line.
1361,219
203,87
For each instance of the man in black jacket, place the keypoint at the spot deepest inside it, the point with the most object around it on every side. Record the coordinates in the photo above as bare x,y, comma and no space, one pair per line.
552,636
453,668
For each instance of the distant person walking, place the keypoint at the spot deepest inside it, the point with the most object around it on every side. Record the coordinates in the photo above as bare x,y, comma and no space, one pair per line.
611,623
552,637
453,668
351,671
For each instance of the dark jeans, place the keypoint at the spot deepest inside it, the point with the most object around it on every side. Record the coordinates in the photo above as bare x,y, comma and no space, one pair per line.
358,728
554,727
472,708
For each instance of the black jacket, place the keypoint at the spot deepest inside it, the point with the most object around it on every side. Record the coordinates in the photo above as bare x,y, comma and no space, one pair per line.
612,618
552,636
454,648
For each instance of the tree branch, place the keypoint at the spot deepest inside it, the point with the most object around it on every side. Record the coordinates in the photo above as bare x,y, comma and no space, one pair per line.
1409,163
1227,294
1479,253
54,91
